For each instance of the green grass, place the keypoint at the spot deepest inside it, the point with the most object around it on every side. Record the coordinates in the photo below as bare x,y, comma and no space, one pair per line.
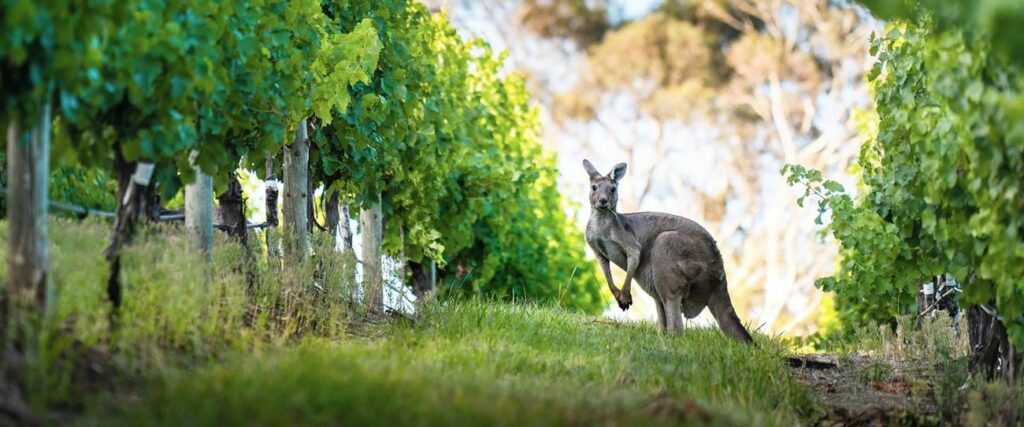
194,348
479,363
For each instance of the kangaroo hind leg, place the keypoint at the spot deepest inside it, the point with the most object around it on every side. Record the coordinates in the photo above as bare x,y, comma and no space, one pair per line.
670,281
671,287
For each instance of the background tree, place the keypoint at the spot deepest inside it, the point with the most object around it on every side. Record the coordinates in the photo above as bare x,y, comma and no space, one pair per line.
743,85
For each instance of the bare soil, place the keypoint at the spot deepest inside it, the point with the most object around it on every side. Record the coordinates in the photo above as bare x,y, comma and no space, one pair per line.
853,396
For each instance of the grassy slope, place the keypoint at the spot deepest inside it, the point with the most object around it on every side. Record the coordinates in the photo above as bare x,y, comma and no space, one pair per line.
493,364
184,356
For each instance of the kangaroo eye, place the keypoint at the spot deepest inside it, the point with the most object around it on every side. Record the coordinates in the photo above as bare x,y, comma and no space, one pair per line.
613,189
593,187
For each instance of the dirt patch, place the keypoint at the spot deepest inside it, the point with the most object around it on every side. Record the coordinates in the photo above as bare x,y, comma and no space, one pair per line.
860,390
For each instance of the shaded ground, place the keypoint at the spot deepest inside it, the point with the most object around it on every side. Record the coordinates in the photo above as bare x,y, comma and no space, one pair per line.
861,390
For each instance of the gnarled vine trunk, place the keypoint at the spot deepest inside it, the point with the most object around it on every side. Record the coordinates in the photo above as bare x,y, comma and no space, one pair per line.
991,352
136,196
332,217
423,278
270,232
232,207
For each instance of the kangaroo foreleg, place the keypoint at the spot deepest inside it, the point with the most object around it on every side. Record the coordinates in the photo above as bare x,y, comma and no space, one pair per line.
632,262
606,268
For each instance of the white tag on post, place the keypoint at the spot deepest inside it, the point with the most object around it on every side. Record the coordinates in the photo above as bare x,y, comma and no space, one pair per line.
143,173
929,288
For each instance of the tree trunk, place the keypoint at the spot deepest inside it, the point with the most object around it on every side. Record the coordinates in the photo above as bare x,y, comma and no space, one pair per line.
371,227
232,206
346,230
296,195
26,293
199,210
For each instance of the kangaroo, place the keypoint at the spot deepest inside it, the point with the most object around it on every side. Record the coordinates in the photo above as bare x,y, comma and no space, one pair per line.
674,259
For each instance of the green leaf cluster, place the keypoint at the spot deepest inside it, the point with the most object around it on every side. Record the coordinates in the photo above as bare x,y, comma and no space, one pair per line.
995,20
154,80
451,146
941,179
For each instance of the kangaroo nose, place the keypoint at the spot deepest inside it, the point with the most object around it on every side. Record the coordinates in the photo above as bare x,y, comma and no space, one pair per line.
603,201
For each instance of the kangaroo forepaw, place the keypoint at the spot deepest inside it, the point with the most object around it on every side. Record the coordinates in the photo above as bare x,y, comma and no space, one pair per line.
624,300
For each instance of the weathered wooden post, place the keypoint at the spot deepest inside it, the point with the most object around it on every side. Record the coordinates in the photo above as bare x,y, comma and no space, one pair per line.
371,228
296,194
199,209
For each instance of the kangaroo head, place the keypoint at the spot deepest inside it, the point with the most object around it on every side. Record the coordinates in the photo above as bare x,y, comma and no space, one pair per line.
603,191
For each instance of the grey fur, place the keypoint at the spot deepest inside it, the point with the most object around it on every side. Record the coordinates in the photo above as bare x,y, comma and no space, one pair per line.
674,259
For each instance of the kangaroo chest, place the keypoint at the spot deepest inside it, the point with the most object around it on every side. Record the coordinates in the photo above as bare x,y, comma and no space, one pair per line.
613,252
602,240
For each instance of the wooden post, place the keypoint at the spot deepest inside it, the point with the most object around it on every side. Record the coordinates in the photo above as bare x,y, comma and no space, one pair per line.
433,274
26,294
296,177
371,227
28,163
199,209
310,210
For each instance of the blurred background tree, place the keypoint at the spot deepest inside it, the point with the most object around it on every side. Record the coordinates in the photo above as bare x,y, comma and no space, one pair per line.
744,86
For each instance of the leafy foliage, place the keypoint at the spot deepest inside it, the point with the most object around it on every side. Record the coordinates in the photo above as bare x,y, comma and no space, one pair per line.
225,79
50,47
91,188
452,148
449,144
942,189
997,19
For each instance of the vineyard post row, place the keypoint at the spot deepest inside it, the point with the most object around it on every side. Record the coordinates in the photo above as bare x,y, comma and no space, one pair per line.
379,102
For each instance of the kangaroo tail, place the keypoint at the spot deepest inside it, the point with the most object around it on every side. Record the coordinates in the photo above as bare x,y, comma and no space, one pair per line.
725,315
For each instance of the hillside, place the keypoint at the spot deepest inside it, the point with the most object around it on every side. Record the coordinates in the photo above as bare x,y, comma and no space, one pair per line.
192,347
484,364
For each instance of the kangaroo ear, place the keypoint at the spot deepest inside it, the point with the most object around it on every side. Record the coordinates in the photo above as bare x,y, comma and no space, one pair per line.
591,170
618,172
